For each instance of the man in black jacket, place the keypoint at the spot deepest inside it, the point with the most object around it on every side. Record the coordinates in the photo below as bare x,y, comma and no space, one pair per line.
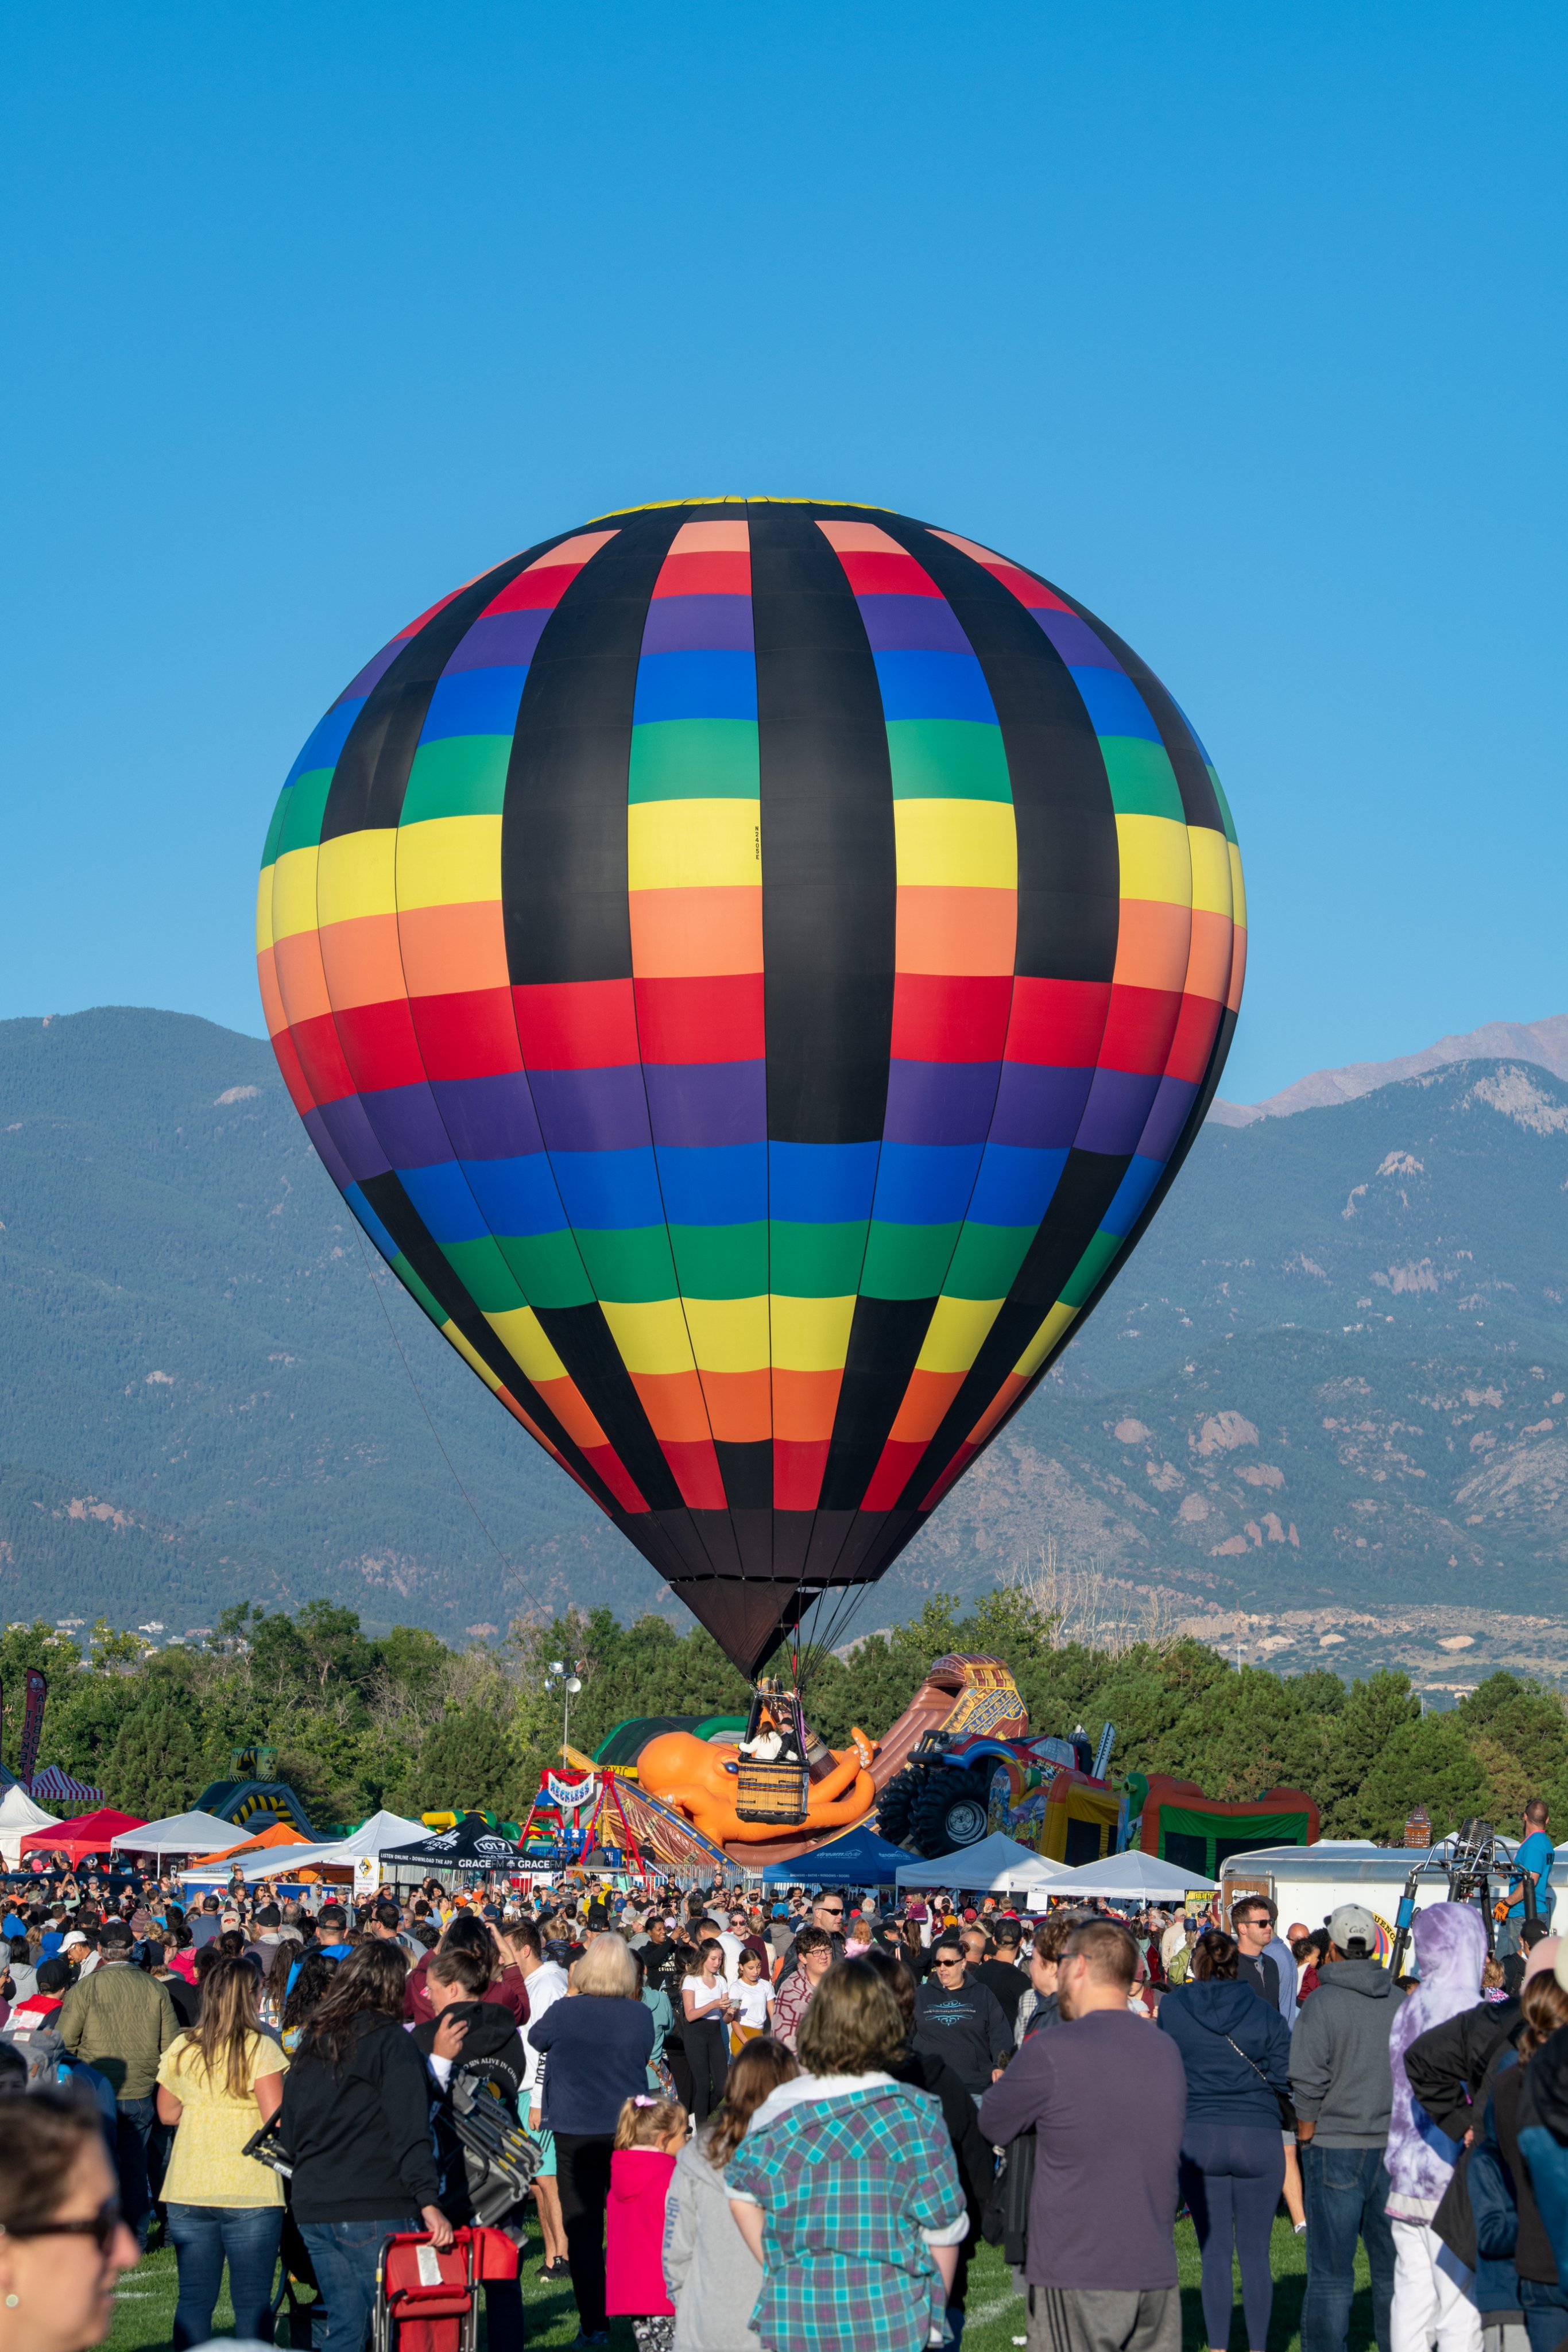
962,2021
1252,1925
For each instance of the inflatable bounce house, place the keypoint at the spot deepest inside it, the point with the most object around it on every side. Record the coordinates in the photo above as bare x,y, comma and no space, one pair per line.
1176,1821
250,1798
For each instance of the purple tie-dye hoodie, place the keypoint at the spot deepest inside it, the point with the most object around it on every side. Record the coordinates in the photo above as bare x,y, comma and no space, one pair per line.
1450,1950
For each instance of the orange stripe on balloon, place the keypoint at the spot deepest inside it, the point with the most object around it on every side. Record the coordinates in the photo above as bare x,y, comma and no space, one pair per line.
448,949
1152,940
362,960
805,1404
740,1405
953,930
689,934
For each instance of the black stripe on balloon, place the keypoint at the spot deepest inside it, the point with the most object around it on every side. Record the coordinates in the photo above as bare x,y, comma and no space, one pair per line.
586,1345
1200,802
1087,1187
402,1220
563,824
1069,888
885,1338
371,774
829,870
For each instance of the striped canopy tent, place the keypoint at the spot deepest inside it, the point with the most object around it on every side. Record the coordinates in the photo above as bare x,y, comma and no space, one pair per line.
753,968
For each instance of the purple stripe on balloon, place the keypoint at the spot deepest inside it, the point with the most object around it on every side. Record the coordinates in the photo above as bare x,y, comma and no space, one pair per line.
489,1118
1117,1112
1075,640
1172,1108
1038,1106
903,623
408,1126
701,1104
682,625
591,1110
940,1102
355,1139
332,1160
499,641
373,671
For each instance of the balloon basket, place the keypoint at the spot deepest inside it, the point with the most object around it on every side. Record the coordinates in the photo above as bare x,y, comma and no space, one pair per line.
772,1775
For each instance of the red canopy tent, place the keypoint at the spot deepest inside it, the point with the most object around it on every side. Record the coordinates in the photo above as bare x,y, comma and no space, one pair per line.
89,1834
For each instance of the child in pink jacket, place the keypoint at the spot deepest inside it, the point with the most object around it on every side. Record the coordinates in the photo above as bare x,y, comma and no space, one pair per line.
648,2136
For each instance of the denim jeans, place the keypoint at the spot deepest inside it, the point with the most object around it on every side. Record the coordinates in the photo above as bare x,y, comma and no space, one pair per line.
344,2255
1346,2190
134,2119
1545,2314
203,2238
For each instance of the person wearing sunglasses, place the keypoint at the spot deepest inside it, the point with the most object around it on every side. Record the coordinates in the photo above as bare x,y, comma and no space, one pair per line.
828,1913
62,2242
963,2022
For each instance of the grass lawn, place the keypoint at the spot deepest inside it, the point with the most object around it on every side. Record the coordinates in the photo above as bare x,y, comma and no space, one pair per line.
145,2311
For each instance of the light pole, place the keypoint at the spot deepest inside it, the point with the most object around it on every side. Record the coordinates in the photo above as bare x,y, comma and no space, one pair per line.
568,1686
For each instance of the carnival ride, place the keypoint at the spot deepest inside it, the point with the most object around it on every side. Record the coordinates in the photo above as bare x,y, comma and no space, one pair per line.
763,1248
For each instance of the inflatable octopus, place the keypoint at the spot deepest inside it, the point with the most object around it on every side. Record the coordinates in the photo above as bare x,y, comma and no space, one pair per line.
700,1781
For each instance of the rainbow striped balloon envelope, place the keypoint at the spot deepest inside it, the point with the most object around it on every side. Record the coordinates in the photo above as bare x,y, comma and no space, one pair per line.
752,966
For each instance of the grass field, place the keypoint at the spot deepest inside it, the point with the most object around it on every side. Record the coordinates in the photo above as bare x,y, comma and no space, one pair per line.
145,2311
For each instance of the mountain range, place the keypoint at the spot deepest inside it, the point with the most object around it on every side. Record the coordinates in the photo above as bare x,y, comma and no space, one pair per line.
1322,1410
1545,1042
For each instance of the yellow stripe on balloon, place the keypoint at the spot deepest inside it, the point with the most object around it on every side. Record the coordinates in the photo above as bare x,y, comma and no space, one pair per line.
955,1332
1155,861
448,861
357,875
683,845
651,1334
957,844
810,1335
729,1335
1044,1340
522,1334
294,893
1210,854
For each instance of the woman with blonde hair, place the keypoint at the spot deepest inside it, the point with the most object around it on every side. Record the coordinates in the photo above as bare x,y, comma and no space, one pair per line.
844,2188
218,2082
593,2049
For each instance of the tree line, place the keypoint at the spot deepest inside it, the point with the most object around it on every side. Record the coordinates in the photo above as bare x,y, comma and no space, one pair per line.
404,1720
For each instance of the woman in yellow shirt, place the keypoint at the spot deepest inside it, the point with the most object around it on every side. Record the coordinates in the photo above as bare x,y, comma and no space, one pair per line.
219,2083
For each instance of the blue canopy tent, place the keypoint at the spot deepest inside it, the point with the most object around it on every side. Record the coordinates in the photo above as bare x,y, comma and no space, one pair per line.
859,1858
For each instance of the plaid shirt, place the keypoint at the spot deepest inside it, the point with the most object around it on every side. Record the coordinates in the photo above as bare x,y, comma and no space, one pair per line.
848,2184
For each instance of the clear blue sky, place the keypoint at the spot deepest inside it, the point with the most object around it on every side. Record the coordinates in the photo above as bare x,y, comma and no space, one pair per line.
1246,324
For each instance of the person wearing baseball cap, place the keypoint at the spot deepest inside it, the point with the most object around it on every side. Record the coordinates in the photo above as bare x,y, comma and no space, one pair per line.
1342,2085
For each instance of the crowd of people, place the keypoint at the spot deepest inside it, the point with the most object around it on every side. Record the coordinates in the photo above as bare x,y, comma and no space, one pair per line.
782,2125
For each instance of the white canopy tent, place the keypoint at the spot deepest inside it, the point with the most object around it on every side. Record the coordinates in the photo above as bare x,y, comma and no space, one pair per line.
177,1833
378,1835
18,1817
1131,1877
992,1867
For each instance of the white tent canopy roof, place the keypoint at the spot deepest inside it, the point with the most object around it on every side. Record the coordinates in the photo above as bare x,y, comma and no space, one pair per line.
178,1834
987,1867
18,1817
377,1836
1131,1877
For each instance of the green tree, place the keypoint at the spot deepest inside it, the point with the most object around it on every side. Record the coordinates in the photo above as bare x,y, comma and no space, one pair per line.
1428,1762
154,1767
1374,1714
1519,1734
465,1764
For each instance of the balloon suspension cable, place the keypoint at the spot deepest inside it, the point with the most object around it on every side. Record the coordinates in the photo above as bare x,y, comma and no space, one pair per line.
830,1614
408,1368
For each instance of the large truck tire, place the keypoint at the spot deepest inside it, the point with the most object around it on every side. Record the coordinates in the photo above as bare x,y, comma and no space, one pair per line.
896,1803
950,1810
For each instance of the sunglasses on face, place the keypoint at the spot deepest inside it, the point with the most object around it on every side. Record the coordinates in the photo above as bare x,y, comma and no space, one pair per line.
833,1910
99,2227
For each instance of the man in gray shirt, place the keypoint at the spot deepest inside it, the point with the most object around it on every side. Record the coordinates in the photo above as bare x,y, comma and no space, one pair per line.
1343,2086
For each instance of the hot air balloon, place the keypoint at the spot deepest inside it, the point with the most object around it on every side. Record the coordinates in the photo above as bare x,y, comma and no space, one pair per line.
753,968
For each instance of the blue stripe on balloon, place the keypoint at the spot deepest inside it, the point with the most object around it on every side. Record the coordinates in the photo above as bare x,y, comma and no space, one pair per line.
445,1202
1113,703
604,1192
924,1184
1132,1195
474,702
821,1183
1015,1185
726,1186
916,685
519,1196
709,685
